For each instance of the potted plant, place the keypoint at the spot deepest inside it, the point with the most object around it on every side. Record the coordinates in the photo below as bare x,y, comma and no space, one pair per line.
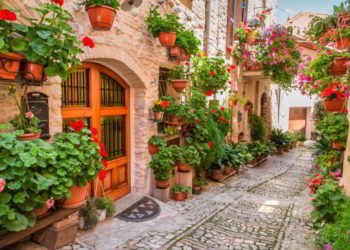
196,186
179,76
333,98
80,158
11,44
163,27
334,127
25,121
101,12
235,99
186,45
158,109
279,139
88,217
105,207
340,36
155,143
178,191
188,157
162,166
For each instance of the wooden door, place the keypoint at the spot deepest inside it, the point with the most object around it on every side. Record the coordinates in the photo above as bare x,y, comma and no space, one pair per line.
100,97
297,120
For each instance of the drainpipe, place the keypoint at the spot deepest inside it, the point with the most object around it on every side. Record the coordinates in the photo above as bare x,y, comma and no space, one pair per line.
278,95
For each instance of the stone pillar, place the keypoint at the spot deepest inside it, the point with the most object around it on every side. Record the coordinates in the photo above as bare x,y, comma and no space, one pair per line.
346,168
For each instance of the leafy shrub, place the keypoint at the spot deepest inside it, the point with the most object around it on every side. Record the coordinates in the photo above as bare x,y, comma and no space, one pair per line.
90,216
257,128
105,203
162,164
334,127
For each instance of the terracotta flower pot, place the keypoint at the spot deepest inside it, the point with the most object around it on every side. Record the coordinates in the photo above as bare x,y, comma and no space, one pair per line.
35,71
158,115
338,67
227,171
333,105
162,184
184,55
205,188
167,39
179,85
28,137
175,51
337,146
41,211
196,190
286,149
216,174
343,43
78,197
152,149
234,103
184,168
10,68
174,118
179,196
101,17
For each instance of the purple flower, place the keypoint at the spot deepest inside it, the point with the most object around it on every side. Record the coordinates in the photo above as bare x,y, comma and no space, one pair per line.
328,247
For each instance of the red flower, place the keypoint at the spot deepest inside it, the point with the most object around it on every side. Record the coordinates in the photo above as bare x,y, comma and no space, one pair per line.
316,181
213,73
229,82
50,203
210,144
209,93
229,50
88,42
198,121
233,67
93,131
344,110
104,163
187,64
96,140
213,111
59,2
78,125
102,175
222,108
165,104
8,15
229,70
102,151
222,119
178,62
29,115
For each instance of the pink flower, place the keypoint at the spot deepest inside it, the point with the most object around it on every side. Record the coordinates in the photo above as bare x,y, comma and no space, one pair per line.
329,52
50,203
2,184
29,115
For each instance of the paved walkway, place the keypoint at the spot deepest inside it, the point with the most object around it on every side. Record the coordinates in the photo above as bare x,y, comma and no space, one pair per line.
262,208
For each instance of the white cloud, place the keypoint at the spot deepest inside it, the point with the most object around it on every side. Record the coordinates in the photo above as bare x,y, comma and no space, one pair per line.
290,11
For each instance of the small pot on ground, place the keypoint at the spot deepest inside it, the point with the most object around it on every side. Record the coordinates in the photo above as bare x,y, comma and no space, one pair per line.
337,146
158,115
180,196
204,188
338,67
101,214
28,137
101,17
179,85
196,190
286,149
216,174
227,170
152,149
162,184
78,197
343,43
34,71
167,39
10,65
175,51
334,105
184,168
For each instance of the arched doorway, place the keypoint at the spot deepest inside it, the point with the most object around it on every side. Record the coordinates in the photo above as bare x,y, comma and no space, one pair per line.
264,108
100,97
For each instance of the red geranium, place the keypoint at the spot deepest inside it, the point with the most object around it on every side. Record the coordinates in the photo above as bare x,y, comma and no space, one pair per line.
209,93
165,104
229,70
222,119
8,15
59,2
198,121
102,151
213,111
222,108
78,125
210,144
233,67
229,50
102,175
229,82
93,132
88,42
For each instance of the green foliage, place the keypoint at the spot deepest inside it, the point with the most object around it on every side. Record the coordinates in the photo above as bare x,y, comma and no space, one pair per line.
257,128
279,138
258,149
319,26
115,4
157,23
179,72
319,112
187,40
234,156
188,155
105,203
90,216
162,163
334,127
178,188
12,37
157,141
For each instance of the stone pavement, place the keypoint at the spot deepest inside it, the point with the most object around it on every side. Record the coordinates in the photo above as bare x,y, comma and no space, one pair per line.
261,208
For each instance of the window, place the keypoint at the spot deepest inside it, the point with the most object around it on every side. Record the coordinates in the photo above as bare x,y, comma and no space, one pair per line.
75,90
187,3
112,94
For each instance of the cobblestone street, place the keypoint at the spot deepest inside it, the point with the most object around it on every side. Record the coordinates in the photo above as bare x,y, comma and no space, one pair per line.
261,208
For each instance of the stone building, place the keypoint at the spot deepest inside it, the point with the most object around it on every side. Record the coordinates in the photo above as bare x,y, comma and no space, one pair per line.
134,62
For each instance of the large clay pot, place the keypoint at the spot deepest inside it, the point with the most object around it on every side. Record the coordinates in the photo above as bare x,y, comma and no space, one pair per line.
152,149
179,85
338,67
179,196
227,171
158,115
101,17
162,184
35,71
7,66
28,137
78,197
337,146
167,39
41,211
216,174
175,51
334,105
343,43
184,168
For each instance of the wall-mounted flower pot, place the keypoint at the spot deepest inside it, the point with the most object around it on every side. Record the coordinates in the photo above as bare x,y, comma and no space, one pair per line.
78,197
179,196
162,184
184,168
338,67
337,146
101,17
343,43
35,71
179,85
10,66
158,115
334,105
152,149
167,39
28,137
175,51
184,55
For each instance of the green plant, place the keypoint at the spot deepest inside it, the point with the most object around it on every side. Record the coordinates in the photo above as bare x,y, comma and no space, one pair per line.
241,100
334,127
89,215
178,188
105,203
25,121
257,128
319,112
179,72
159,105
115,4
156,23
162,164
200,182
157,141
258,149
171,131
320,146
189,156
187,40
319,26
279,138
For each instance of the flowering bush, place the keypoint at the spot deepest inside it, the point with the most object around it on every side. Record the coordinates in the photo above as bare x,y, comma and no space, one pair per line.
159,105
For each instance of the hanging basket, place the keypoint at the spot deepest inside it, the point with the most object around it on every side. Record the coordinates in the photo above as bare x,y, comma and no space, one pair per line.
101,17
338,67
34,71
167,39
334,105
9,65
179,85
152,149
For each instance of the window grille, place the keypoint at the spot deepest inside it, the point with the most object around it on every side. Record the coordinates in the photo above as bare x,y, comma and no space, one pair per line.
113,136
112,94
75,90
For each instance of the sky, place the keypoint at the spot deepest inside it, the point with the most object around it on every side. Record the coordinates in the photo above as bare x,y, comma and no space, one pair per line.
292,7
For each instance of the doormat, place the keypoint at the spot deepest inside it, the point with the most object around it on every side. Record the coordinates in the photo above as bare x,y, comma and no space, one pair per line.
142,210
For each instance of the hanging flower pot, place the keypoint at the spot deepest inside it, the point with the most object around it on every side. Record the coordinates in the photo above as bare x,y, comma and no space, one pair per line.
175,51
34,71
101,17
334,105
78,197
167,39
162,184
184,168
158,115
28,137
179,196
338,67
152,149
179,85
184,55
9,65
337,146
343,43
